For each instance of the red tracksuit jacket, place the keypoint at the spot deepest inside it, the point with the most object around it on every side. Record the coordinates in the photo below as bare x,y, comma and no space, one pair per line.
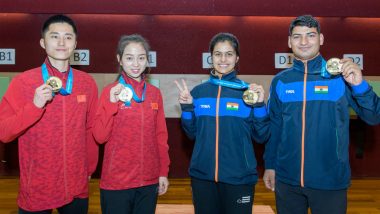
136,150
57,152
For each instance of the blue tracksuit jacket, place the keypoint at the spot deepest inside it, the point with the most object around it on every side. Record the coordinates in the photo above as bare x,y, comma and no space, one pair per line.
310,125
224,127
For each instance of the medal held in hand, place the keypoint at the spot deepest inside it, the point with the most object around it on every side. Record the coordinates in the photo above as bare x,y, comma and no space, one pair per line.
125,95
333,66
55,83
250,97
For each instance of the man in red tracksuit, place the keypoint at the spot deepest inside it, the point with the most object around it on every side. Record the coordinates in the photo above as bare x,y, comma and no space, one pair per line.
53,125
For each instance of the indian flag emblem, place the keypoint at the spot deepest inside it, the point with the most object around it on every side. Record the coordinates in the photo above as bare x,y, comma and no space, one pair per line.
321,89
232,106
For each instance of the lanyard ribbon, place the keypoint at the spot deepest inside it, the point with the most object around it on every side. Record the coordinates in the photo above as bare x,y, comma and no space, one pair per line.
69,82
228,84
134,95
324,72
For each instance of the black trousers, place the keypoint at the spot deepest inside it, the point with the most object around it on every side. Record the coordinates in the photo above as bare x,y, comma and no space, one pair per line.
296,200
141,200
77,206
210,197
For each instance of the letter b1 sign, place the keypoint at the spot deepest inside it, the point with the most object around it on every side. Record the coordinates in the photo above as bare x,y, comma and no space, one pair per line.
7,56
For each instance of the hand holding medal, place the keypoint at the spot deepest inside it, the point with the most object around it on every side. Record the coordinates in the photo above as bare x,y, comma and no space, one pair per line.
351,72
115,93
42,95
334,66
125,94
254,94
55,83
184,93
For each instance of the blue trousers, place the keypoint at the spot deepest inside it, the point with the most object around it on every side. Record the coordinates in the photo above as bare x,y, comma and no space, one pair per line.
210,197
141,200
297,200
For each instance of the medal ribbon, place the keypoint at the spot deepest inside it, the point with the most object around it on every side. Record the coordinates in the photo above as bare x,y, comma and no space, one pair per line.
324,72
228,84
69,82
134,95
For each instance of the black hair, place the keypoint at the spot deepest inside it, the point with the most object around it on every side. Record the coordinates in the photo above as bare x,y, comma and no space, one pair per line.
60,18
134,38
125,40
222,37
304,20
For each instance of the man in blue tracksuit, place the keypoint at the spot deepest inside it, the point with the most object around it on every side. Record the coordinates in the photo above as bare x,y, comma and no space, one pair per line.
223,165
306,158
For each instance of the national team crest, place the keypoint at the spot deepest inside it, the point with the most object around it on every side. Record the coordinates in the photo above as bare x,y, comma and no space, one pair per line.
232,106
321,89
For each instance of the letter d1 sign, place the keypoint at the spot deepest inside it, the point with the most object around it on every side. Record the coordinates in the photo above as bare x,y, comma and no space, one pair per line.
283,60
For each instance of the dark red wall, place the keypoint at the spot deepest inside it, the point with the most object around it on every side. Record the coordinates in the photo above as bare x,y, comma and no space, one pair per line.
337,8
180,31
180,39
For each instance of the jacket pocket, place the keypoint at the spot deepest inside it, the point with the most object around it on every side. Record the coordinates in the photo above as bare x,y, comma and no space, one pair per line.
341,147
110,160
29,176
338,152
248,156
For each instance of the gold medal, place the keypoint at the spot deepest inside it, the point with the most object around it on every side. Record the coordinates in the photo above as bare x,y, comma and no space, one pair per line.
333,66
250,97
125,94
55,83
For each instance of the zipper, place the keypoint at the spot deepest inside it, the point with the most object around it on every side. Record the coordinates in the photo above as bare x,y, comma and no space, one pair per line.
141,140
64,145
303,124
217,134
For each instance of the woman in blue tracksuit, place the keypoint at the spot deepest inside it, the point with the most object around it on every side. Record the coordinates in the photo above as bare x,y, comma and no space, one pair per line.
223,165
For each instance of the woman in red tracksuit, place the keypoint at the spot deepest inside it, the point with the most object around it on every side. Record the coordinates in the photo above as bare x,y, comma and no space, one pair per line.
130,121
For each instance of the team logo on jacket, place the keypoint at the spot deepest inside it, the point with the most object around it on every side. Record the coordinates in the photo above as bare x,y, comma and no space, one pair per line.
321,89
204,106
154,106
232,106
122,106
81,98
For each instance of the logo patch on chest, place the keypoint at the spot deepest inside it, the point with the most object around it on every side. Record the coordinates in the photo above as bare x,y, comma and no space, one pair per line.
205,106
154,106
321,89
232,106
81,98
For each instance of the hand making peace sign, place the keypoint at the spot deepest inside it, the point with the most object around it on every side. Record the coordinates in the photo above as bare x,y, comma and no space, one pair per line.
184,93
